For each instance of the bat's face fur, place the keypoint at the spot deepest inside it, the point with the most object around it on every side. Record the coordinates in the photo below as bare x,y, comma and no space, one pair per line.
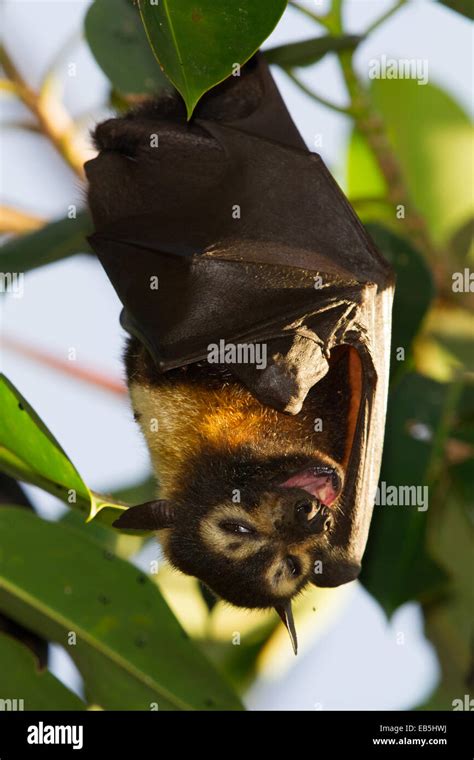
254,499
258,552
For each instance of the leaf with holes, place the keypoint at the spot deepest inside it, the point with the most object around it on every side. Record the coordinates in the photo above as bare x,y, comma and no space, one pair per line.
23,682
129,647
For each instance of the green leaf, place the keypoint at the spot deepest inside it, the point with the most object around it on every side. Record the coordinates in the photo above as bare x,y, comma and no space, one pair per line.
413,293
124,544
465,7
23,680
462,243
129,647
464,424
449,623
432,138
118,42
29,452
307,52
364,178
53,242
453,331
197,44
397,566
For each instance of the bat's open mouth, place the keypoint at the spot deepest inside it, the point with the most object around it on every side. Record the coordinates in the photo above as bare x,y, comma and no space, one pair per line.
321,482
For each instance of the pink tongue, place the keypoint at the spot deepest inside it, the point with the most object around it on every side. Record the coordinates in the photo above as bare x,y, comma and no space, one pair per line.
320,486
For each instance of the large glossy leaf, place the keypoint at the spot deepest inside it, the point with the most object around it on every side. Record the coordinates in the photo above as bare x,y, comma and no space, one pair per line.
432,139
12,493
307,52
397,566
197,44
129,647
21,679
53,242
29,452
124,545
118,42
413,294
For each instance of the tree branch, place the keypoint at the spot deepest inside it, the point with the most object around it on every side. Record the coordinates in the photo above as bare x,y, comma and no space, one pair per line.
53,120
346,110
306,12
383,18
18,222
372,126
68,368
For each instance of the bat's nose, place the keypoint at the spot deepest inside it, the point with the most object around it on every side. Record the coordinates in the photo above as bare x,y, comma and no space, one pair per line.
312,515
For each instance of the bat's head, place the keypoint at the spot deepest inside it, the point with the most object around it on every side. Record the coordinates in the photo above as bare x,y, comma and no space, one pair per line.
259,546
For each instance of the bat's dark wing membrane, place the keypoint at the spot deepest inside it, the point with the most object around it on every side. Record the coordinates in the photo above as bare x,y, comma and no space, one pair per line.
295,246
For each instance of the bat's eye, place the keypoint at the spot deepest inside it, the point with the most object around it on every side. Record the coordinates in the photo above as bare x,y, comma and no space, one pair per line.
293,566
234,527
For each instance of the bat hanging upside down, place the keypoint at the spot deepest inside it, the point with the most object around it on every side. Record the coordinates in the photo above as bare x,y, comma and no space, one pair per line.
227,241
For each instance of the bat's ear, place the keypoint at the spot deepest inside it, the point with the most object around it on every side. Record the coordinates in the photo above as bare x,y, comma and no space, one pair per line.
286,614
336,573
153,515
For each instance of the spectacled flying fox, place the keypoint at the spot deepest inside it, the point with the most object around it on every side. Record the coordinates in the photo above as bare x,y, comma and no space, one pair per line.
226,230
